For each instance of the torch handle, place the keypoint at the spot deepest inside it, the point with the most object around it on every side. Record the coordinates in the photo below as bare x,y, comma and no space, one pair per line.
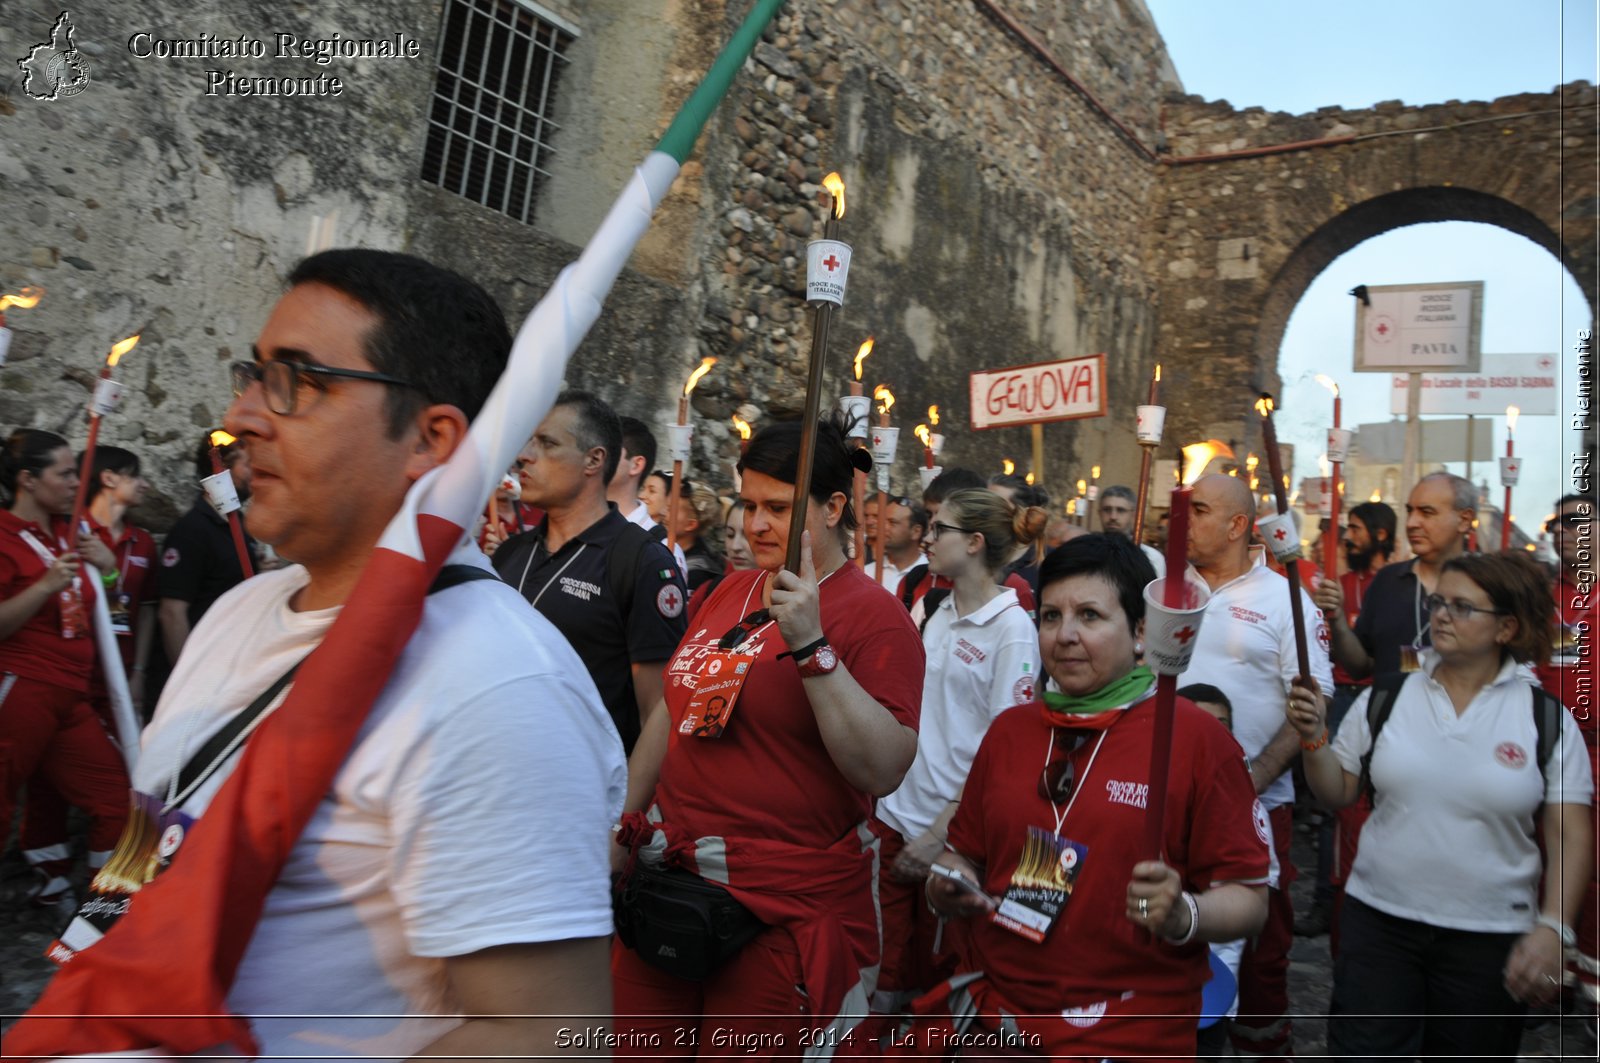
673,492
1505,523
821,325
1144,493
860,501
1302,652
883,530
1155,811
80,499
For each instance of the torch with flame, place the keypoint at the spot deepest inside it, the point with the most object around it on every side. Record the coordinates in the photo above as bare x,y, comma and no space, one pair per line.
1008,466
1280,490
861,356
224,498
1508,476
741,426
678,436
885,400
835,186
694,378
26,299
922,433
107,391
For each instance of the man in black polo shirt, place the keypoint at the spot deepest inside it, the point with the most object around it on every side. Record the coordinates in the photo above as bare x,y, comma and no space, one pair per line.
1393,624
605,583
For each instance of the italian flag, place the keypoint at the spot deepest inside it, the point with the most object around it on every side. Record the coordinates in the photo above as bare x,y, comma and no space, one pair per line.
158,982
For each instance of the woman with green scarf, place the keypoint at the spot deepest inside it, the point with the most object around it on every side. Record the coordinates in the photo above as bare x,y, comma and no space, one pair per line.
1077,943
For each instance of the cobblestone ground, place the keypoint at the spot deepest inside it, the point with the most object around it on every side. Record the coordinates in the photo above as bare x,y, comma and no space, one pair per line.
26,931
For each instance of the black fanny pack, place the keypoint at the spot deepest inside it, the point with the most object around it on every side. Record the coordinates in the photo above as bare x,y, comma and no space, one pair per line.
678,922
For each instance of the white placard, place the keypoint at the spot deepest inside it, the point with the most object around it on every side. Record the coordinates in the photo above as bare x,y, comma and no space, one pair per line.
220,492
1510,471
884,442
1419,328
678,439
855,409
1034,394
1339,440
827,271
107,394
1148,422
1169,634
1530,382
928,475
1280,535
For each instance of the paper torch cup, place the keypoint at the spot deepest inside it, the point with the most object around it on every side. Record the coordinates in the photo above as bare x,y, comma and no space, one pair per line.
220,492
1094,492
5,343
678,437
1170,634
1148,422
1339,444
107,393
884,442
827,269
1510,469
1325,503
936,444
855,409
927,475
1280,535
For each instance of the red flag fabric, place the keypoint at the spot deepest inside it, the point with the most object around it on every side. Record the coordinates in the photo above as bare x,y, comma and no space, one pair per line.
207,903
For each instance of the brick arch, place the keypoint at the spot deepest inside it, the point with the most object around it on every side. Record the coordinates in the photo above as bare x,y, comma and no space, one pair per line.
1255,205
1386,213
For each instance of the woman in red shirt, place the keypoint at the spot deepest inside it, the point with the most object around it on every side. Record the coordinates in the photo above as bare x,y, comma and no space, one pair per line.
791,702
47,650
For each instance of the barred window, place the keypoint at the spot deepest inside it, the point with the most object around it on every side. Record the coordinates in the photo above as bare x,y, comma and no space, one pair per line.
490,128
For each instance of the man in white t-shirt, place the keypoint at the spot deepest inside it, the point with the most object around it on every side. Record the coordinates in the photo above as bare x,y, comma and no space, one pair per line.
1246,649
456,872
638,458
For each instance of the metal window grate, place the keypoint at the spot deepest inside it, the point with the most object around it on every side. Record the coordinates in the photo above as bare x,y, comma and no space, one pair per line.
489,127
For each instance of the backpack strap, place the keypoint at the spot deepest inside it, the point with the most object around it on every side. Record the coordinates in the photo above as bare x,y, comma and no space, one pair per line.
455,575
1379,705
909,583
1547,711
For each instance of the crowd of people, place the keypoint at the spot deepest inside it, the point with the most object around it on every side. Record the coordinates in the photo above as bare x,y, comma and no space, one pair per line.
642,785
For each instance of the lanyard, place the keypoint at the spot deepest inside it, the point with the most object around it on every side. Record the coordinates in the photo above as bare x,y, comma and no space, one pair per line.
1061,813
1424,620
534,553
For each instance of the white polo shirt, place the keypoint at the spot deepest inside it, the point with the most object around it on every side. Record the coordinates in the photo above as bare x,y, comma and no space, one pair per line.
1246,649
1450,841
892,574
979,665
640,515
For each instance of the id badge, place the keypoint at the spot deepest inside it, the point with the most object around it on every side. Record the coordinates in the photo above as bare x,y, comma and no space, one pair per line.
1410,660
148,844
719,679
1041,885
121,618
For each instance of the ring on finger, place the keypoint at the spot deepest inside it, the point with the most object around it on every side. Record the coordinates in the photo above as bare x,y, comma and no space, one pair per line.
1552,979
1144,907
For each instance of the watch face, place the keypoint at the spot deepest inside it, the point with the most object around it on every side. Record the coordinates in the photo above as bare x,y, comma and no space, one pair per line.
825,660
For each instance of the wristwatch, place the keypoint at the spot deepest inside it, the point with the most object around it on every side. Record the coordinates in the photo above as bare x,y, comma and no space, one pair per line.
816,659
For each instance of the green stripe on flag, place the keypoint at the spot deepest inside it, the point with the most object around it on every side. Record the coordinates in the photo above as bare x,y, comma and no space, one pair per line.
692,116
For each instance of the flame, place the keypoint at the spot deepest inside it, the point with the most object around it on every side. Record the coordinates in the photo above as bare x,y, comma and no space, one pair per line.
1008,466
1029,479
933,415
1094,473
1376,496
742,425
1328,382
861,355
1233,471
120,348
1196,456
1255,483
1082,487
1323,465
1158,372
26,299
922,433
1265,405
694,378
1512,413
884,397
1072,507
219,438
835,186
1251,462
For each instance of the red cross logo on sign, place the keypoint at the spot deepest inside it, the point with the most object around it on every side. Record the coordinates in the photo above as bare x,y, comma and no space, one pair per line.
832,262
877,441
1280,535
1185,635
669,602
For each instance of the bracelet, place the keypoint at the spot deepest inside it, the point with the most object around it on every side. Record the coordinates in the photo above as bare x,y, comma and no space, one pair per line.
108,578
1312,747
804,651
1563,931
1194,920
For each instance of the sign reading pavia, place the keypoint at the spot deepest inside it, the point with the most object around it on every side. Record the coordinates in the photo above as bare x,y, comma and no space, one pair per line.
1044,391
1419,328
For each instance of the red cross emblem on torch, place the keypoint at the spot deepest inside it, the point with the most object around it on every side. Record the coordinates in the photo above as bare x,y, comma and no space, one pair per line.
1185,635
877,440
1280,535
832,262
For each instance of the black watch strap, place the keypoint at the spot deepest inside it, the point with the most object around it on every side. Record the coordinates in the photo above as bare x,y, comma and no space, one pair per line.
804,652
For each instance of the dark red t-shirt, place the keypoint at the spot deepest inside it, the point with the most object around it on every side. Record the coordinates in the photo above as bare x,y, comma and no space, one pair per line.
770,775
1354,585
37,650
1215,832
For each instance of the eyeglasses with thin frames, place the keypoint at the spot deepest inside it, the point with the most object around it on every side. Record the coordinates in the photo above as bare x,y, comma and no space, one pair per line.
281,380
938,528
1458,609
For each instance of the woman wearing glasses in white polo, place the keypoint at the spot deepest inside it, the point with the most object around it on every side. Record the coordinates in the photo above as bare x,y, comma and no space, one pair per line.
1446,936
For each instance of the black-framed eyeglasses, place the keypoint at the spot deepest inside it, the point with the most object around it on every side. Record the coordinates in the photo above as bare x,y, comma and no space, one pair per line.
1060,775
1458,609
939,527
1568,520
742,630
281,380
